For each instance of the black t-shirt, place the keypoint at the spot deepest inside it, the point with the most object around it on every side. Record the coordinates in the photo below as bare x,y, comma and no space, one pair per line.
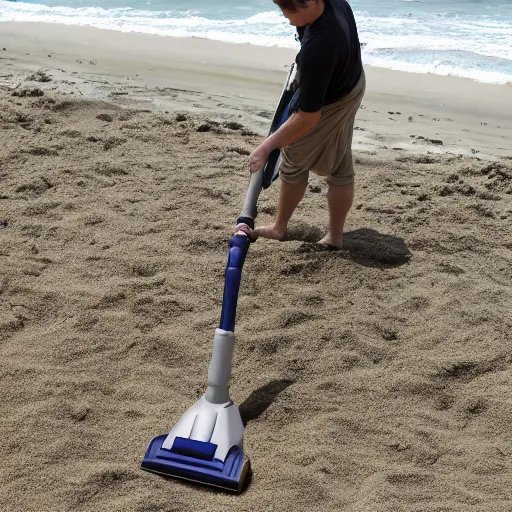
329,62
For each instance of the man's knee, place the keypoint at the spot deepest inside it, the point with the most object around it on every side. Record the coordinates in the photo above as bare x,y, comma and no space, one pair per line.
345,181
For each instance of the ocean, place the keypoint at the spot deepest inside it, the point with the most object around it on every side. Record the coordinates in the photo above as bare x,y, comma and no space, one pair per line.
466,38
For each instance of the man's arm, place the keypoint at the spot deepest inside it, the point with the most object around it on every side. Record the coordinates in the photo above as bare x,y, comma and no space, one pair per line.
293,129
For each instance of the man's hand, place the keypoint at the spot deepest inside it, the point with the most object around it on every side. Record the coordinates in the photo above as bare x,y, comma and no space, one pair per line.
293,129
258,157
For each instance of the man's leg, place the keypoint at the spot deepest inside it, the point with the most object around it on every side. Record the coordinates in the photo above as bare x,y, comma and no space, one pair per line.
339,199
289,198
340,195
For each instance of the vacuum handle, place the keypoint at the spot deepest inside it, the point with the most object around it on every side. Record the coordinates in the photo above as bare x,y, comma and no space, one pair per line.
258,180
253,192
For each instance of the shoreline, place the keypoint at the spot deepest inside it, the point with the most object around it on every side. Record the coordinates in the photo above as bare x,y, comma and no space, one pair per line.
11,30
243,81
504,80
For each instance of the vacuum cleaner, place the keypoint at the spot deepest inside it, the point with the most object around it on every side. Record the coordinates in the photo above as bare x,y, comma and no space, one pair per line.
206,445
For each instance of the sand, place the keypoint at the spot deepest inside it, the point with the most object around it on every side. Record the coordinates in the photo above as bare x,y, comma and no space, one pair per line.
373,379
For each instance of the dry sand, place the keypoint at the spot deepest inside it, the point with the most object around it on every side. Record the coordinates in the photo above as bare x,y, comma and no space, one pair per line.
374,379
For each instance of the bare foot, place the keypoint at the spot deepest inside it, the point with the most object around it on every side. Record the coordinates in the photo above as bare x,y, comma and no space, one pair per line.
271,232
331,244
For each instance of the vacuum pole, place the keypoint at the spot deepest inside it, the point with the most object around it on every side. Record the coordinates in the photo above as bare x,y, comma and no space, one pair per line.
219,371
248,213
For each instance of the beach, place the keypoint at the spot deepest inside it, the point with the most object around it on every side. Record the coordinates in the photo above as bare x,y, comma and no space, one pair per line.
372,379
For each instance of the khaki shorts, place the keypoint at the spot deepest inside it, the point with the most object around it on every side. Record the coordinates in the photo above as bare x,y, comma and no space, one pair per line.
326,149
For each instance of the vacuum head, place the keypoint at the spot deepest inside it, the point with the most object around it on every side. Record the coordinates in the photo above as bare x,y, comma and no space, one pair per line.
205,447
193,461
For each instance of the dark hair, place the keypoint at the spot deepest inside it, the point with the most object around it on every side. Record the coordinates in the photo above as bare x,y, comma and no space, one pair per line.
291,5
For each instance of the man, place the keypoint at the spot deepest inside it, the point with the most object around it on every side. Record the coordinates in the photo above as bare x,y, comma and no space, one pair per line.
318,137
